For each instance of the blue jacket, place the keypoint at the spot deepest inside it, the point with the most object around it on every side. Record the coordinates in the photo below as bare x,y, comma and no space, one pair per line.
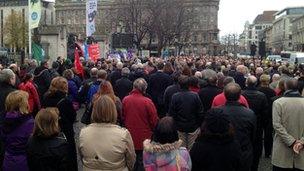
73,91
93,90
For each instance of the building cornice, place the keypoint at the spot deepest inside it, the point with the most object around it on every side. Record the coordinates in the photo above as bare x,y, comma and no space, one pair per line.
13,3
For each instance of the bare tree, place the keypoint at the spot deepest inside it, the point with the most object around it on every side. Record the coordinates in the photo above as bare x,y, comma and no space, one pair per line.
134,17
16,31
167,20
172,21
230,42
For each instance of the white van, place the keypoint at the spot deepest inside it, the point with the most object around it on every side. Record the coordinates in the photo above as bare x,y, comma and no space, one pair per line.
296,58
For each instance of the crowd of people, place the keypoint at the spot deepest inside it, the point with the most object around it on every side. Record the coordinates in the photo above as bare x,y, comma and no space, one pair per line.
205,113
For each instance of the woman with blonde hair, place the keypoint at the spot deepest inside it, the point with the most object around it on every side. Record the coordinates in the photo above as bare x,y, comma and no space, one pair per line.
56,96
16,130
48,148
103,145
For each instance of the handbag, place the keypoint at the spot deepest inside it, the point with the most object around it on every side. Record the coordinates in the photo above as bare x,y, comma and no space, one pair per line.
86,116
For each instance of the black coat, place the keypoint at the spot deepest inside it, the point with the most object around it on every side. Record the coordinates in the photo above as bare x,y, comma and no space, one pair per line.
138,73
114,76
207,95
5,89
158,82
169,92
215,155
257,103
49,154
270,94
187,111
67,117
240,79
123,87
42,78
244,122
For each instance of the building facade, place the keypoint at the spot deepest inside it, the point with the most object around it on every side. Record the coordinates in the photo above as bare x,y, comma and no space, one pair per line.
7,7
282,39
72,14
204,34
254,33
298,34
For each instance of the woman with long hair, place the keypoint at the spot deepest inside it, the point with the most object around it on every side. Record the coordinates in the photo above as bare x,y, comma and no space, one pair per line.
28,86
57,96
107,89
48,147
103,145
168,68
16,129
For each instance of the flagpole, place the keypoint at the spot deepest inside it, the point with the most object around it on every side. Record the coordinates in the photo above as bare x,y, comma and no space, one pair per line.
29,30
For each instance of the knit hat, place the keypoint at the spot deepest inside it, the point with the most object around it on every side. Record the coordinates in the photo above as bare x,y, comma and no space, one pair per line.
216,122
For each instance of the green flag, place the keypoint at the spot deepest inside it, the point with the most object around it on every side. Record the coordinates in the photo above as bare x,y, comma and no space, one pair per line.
37,52
34,13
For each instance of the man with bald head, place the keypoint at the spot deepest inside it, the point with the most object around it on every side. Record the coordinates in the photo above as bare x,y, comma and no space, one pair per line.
258,103
244,122
288,123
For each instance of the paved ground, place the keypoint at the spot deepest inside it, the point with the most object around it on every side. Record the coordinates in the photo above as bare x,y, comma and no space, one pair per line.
265,164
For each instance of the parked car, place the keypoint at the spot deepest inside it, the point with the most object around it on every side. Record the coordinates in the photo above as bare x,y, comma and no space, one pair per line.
3,52
4,56
275,58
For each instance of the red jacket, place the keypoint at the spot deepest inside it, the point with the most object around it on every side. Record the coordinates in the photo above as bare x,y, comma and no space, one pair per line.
220,100
34,102
140,117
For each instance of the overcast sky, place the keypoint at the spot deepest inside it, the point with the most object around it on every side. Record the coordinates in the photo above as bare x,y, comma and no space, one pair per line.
234,13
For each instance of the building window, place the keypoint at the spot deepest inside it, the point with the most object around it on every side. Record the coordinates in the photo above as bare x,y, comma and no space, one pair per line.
52,18
258,27
195,38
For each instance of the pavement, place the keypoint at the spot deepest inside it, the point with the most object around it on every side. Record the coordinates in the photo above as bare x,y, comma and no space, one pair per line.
265,163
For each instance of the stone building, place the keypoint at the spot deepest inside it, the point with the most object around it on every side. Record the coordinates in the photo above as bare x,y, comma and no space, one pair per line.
50,36
204,37
253,33
298,34
205,33
72,14
282,28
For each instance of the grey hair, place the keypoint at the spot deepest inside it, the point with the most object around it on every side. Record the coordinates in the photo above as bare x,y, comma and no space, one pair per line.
208,73
93,72
198,74
140,84
119,65
125,71
251,81
6,75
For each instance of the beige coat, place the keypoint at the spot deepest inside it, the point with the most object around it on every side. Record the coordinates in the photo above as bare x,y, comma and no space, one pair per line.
106,147
288,123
